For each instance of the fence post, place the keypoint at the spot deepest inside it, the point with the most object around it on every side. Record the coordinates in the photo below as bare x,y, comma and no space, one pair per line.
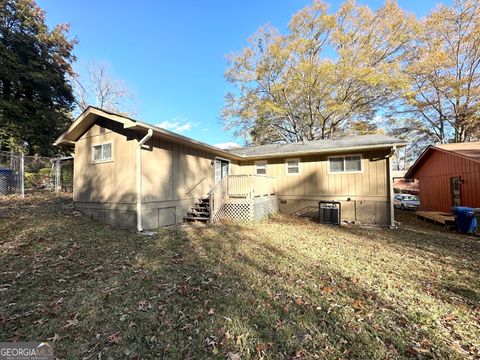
22,175
58,175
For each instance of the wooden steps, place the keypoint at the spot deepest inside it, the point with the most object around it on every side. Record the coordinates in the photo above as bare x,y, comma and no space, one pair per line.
437,217
199,212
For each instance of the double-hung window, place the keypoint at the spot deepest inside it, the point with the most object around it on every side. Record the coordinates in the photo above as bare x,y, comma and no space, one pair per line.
350,163
292,166
102,152
260,168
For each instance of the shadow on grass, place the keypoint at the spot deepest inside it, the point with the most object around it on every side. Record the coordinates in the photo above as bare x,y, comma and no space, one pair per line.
192,293
457,254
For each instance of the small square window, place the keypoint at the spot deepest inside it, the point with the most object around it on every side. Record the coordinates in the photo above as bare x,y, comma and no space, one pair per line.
293,166
260,168
102,152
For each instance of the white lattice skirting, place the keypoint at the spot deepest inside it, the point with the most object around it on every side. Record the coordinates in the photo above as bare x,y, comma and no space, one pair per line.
249,210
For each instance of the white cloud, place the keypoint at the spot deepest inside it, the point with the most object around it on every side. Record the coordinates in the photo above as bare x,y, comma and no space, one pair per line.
228,145
177,125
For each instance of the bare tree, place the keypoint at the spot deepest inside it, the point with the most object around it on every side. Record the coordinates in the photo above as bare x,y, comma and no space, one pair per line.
444,69
98,87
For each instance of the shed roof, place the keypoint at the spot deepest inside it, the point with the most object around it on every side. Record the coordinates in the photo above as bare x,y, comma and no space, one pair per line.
318,146
89,116
468,150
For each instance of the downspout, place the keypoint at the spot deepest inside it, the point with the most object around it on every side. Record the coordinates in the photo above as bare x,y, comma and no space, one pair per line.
390,186
139,178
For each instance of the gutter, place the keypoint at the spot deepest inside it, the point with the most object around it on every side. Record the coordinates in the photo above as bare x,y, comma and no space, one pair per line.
390,186
321,151
183,139
237,155
139,178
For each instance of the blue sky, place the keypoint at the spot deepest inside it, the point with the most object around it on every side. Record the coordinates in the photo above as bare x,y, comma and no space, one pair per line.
172,53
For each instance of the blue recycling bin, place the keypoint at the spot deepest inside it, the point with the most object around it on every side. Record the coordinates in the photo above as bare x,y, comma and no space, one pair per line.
465,219
6,182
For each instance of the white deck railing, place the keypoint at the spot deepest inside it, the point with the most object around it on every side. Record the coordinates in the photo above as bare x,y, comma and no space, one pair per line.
240,187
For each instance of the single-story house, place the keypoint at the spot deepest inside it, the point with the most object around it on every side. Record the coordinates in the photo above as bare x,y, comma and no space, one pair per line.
129,173
449,176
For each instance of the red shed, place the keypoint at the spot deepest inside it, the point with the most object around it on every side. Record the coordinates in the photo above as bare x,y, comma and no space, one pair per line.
449,176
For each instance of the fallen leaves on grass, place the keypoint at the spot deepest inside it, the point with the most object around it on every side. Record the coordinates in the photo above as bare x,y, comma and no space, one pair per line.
114,338
357,304
449,318
144,305
55,338
282,288
261,347
72,322
233,356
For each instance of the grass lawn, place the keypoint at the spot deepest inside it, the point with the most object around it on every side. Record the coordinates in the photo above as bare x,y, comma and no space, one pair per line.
282,289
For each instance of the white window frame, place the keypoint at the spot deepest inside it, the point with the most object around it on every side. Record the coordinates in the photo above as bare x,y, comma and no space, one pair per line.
298,166
261,163
344,171
102,160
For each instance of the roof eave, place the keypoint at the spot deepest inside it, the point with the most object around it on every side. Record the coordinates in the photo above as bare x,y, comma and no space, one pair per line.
84,121
183,139
412,170
324,151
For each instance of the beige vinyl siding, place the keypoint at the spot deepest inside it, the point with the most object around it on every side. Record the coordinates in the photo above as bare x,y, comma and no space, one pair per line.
314,179
174,172
175,175
110,181
171,171
364,195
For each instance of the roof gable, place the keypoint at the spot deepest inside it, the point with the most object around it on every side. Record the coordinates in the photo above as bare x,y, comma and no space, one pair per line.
85,121
468,150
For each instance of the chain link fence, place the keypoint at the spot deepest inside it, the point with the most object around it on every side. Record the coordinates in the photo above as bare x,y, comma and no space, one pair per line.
21,174
11,170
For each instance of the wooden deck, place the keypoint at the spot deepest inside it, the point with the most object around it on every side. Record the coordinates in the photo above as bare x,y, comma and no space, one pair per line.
437,217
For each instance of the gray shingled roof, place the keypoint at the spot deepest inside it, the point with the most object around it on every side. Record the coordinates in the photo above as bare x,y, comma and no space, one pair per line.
317,146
